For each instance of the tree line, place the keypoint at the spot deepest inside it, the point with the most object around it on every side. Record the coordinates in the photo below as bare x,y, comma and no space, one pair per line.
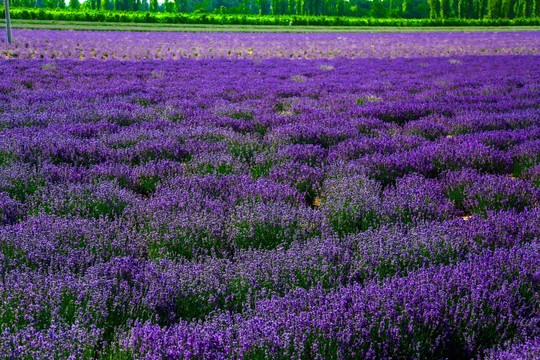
379,9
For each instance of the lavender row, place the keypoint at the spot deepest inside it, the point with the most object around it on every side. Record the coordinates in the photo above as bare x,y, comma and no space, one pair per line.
73,245
194,214
107,45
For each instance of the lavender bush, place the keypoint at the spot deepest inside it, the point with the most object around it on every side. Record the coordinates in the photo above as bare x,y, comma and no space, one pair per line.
379,200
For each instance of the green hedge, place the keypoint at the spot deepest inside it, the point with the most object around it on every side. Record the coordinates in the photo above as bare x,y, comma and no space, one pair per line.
182,18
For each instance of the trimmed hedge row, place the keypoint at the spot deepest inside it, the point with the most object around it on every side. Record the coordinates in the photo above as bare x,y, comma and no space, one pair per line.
243,19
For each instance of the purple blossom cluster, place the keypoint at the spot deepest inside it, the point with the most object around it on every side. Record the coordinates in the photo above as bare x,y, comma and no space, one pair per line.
272,209
108,45
529,349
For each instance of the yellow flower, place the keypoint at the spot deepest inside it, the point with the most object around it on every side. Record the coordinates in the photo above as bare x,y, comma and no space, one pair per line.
317,201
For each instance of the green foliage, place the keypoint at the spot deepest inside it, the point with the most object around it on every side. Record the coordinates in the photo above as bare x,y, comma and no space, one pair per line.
353,220
182,242
471,12
435,6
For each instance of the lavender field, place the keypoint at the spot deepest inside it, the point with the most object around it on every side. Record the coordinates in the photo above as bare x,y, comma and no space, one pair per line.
376,196
104,45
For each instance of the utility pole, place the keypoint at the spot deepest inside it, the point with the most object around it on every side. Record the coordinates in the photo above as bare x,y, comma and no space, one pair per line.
8,22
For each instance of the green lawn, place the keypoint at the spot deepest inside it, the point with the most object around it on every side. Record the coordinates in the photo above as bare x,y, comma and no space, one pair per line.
99,26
